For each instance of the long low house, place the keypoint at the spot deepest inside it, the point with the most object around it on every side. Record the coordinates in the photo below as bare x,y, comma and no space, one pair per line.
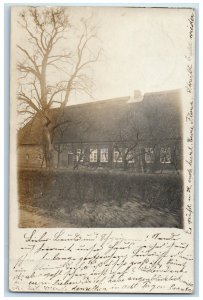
140,133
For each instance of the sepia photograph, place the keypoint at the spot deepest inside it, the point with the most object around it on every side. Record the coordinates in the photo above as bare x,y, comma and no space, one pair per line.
102,149
96,152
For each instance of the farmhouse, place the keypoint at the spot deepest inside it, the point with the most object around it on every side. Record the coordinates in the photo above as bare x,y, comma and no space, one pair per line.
141,134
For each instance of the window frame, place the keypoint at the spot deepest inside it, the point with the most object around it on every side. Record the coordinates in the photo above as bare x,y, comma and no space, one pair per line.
130,153
120,160
80,151
102,151
93,153
151,154
170,155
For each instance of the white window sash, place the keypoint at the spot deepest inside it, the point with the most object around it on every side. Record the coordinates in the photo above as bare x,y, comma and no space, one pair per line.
93,155
129,157
104,155
149,155
165,155
117,157
80,155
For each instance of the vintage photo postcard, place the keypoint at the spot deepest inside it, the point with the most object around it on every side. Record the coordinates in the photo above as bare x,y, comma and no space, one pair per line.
102,149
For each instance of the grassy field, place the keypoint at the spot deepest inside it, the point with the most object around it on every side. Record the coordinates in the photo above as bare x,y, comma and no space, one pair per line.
107,214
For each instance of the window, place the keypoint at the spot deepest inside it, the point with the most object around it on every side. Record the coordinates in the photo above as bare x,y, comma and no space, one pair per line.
104,155
130,156
93,155
149,155
165,155
80,155
117,156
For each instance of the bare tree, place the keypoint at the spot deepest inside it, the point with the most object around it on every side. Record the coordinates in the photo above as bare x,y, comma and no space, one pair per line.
127,139
43,60
126,150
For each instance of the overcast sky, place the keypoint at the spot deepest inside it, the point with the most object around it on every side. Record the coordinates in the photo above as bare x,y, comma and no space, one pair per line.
143,49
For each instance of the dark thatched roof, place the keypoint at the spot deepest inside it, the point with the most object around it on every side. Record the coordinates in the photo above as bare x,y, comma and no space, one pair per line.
157,116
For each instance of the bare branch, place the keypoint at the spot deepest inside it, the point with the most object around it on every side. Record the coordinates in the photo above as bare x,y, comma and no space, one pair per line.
27,69
32,36
54,94
22,97
90,61
61,123
58,58
26,112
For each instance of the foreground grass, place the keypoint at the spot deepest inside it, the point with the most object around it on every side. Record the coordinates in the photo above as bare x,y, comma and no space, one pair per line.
131,213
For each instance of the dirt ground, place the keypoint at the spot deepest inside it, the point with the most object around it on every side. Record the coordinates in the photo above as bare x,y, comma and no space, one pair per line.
129,214
29,219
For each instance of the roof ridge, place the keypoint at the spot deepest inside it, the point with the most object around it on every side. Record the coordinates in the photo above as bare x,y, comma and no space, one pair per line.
116,99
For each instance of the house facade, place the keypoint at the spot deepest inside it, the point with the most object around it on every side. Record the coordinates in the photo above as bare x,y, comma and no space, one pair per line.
121,133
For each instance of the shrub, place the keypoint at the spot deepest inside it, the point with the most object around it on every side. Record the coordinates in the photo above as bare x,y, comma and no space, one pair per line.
69,189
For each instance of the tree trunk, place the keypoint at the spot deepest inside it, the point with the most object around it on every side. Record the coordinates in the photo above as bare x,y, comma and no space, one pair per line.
125,164
58,159
48,149
156,164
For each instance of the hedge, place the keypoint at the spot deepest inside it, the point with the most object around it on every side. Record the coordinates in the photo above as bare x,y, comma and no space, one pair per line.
70,189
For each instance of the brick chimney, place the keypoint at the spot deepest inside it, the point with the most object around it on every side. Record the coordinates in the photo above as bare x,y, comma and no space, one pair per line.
136,97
